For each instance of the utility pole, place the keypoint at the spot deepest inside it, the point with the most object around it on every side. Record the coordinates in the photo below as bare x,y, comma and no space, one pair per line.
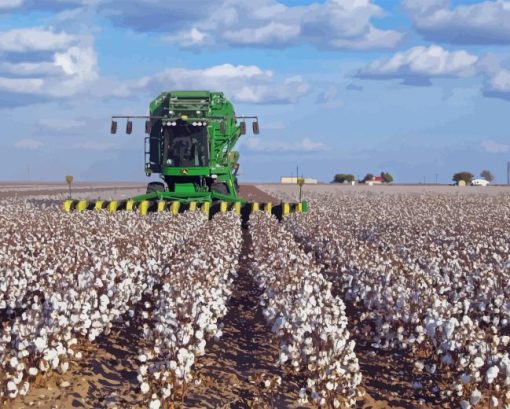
436,178
508,173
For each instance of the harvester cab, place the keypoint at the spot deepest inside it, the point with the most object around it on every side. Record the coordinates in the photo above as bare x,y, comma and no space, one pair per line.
191,136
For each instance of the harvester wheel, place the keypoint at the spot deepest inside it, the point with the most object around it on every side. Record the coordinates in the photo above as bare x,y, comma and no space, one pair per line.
220,188
155,187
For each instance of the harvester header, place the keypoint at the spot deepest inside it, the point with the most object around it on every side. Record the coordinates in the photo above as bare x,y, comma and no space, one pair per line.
190,142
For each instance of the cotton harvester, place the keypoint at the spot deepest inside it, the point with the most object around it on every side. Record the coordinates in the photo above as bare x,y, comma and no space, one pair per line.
190,145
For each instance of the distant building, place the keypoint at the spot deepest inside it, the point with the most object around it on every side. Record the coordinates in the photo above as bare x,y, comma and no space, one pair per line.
479,182
293,181
376,180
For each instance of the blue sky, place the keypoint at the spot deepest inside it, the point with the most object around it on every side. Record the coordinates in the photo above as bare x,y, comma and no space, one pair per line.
418,88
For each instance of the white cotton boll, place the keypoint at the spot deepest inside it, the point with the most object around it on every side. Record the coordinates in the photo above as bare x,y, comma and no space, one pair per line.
475,397
24,389
40,344
11,386
142,358
478,362
199,334
185,339
283,358
218,334
465,404
419,365
155,404
182,355
33,371
64,367
144,387
13,362
491,374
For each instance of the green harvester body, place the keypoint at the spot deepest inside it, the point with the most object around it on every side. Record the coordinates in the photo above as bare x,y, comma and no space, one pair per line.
202,171
190,144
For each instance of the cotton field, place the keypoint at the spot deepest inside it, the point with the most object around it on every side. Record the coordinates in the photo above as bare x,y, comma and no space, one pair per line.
419,278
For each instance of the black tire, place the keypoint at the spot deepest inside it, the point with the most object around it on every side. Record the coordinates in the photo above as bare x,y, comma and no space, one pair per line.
236,184
155,187
220,188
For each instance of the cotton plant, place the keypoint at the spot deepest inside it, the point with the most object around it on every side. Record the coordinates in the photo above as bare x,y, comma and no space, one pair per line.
308,320
427,274
188,308
69,277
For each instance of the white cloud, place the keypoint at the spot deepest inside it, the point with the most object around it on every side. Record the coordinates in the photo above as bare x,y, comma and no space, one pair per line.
486,22
190,38
10,4
70,67
272,33
500,81
303,145
22,85
495,147
497,77
78,63
29,69
422,63
332,24
240,82
34,39
29,144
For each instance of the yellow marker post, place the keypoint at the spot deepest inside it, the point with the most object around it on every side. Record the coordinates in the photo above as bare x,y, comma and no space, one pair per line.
175,208
285,209
67,205
144,208
255,207
206,206
192,206
223,207
82,205
268,207
237,208
161,206
99,205
112,206
129,205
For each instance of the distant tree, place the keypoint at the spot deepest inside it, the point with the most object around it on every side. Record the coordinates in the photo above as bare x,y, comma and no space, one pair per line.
368,177
344,177
386,177
465,176
487,175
